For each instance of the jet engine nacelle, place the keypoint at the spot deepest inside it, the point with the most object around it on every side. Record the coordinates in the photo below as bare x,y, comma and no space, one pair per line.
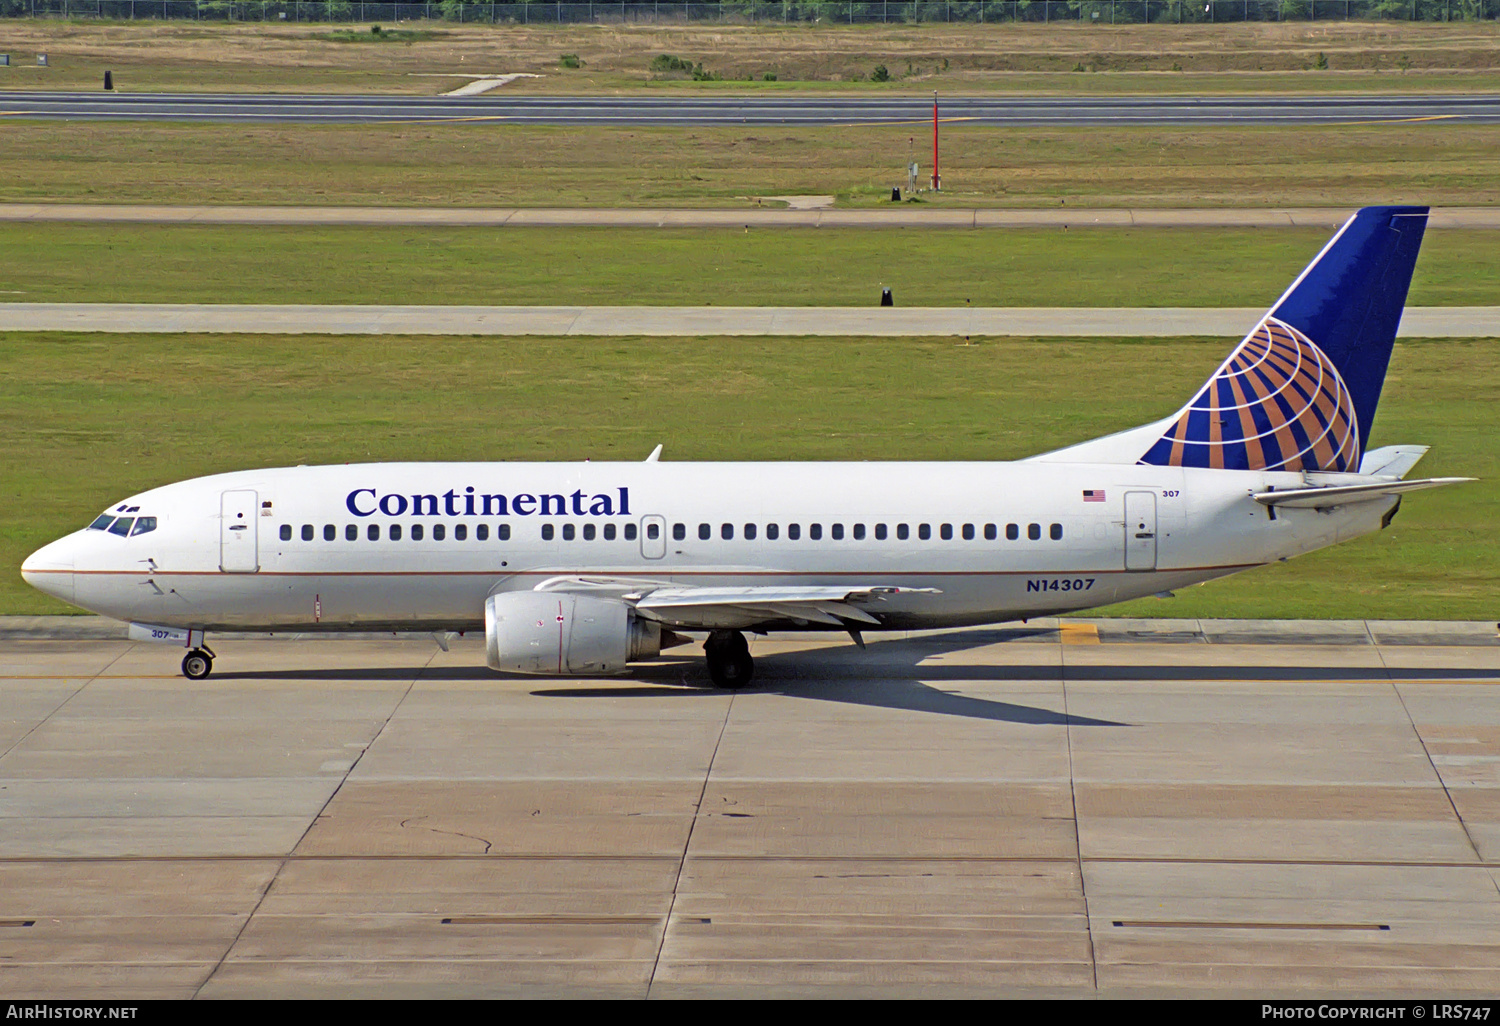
556,633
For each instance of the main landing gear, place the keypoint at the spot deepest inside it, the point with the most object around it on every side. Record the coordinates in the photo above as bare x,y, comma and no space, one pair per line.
198,663
729,662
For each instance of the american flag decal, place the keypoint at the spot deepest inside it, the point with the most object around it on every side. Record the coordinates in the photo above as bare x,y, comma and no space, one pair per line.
1093,495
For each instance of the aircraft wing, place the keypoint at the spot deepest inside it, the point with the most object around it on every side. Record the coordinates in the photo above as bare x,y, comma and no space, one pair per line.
733,608
1344,495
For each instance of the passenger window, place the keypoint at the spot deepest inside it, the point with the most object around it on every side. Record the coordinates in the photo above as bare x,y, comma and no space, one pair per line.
481,532
373,532
416,532
460,532
749,532
859,532
588,532
439,532
101,523
609,532
836,532
122,526
793,532
286,532
1057,532
630,532
395,534
946,531
145,525
705,532
503,532
815,531
924,531
902,532
726,531
679,532
330,532
546,532
568,532
990,534
968,532
1034,531
307,532
880,532
1012,532
772,532
351,532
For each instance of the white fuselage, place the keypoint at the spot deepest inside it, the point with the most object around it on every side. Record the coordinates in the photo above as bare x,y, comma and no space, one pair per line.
231,552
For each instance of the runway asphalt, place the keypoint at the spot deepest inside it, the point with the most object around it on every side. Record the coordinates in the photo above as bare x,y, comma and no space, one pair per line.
799,109
871,321
1077,808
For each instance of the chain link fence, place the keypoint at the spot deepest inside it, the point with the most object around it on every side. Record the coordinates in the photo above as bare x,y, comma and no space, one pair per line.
1103,12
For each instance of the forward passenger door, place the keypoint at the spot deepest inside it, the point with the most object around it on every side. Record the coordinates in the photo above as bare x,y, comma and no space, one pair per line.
238,545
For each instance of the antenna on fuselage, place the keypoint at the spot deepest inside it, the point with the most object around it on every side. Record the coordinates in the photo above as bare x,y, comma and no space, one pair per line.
655,455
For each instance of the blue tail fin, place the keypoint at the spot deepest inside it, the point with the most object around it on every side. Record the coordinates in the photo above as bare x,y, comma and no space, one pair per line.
1299,393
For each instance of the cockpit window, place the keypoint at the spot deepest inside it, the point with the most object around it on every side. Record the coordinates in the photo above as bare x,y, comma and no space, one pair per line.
105,519
144,525
122,526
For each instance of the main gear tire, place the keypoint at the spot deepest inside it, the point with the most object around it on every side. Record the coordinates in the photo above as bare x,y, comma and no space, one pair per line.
729,664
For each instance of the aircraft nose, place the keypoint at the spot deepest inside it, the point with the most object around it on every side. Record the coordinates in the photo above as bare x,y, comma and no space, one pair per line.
50,569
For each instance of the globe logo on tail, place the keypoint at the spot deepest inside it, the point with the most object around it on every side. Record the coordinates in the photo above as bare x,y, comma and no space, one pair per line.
1277,403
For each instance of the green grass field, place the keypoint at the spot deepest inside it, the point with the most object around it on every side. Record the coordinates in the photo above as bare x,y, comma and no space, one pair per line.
826,267
89,419
488,163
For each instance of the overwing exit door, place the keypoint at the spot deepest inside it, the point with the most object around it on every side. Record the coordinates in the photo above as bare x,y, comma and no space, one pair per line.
238,546
1140,530
653,537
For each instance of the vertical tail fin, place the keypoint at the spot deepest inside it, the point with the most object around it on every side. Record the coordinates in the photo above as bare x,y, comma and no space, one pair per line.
1300,392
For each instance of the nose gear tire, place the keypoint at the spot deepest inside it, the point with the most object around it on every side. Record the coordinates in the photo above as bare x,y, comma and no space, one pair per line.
197,664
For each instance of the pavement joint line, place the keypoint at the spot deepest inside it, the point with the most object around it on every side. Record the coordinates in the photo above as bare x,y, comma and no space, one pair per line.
1427,753
71,695
666,921
1083,884
281,866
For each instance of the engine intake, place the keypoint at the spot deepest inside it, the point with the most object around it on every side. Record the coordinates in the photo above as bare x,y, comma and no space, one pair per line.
558,633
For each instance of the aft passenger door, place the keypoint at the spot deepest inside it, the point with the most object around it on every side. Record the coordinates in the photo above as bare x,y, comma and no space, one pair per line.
653,537
238,546
1140,530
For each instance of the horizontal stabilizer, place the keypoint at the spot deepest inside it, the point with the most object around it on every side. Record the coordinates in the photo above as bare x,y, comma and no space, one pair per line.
1344,495
1392,460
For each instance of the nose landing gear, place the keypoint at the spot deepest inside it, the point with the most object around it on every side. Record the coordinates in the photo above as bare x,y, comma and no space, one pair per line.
198,664
729,662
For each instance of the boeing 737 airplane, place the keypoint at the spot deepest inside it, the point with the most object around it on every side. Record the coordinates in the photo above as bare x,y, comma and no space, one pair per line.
580,568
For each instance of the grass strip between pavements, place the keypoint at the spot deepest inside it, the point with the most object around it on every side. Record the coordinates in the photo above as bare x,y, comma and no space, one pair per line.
91,419
1097,267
